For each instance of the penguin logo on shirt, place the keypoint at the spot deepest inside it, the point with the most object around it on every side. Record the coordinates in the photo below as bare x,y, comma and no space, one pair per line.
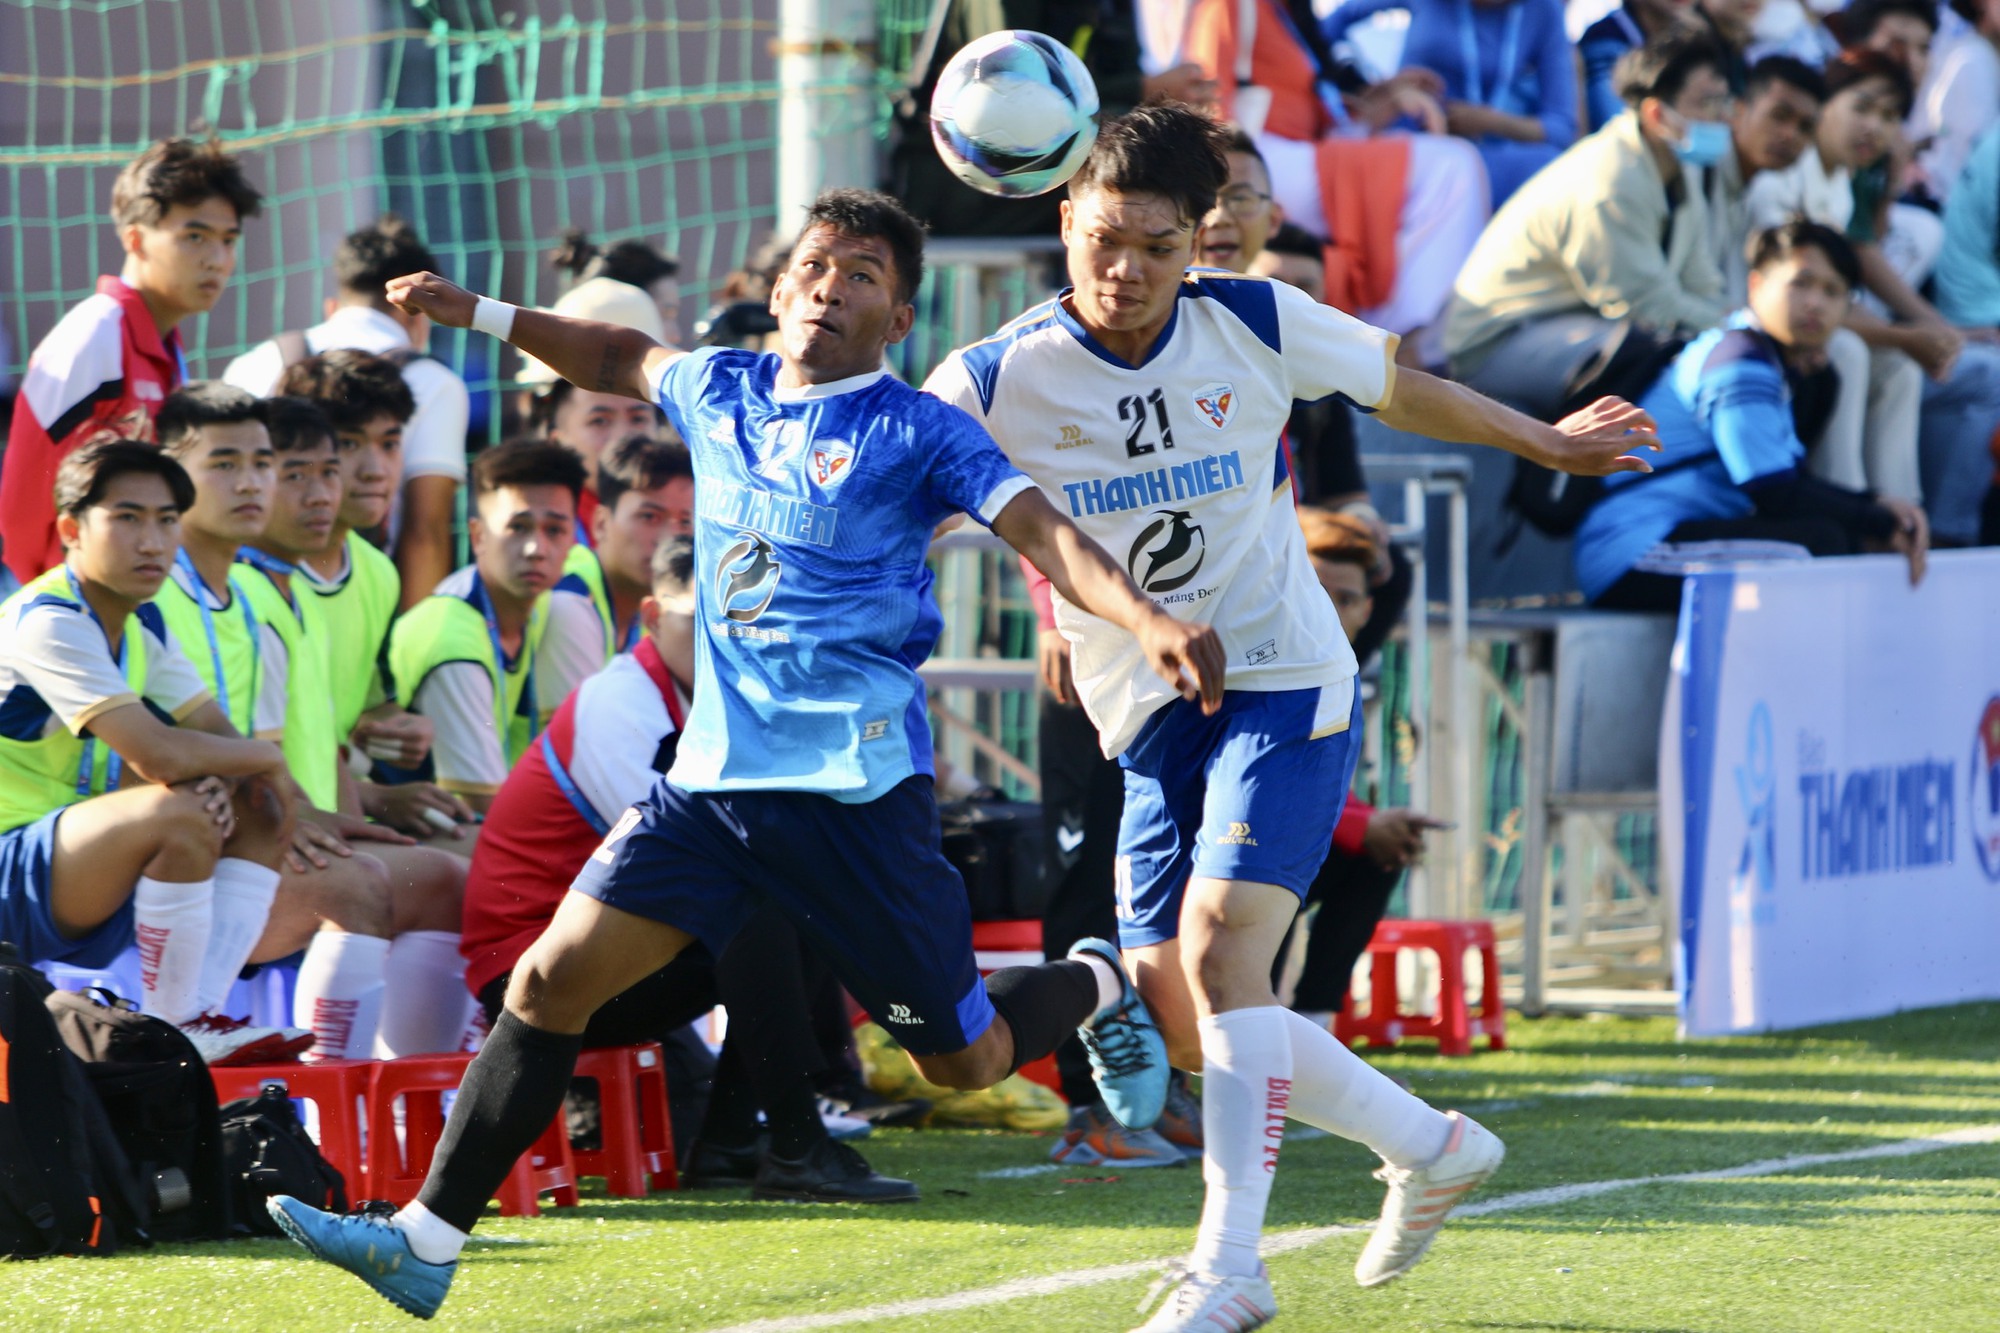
747,578
1168,552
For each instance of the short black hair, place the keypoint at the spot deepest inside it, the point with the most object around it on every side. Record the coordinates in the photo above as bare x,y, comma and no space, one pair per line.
527,463
640,463
1777,244
871,213
1788,70
87,474
1858,65
351,387
202,403
1857,22
1160,148
370,256
175,172
673,566
634,263
1662,67
297,424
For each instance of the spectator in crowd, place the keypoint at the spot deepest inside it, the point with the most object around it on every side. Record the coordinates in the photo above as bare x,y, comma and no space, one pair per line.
1841,185
130,804
1615,232
468,656
1725,424
645,493
366,403
1508,72
359,317
606,746
1605,41
109,363
1371,848
1398,212
1772,127
634,263
1968,288
381,975
1960,99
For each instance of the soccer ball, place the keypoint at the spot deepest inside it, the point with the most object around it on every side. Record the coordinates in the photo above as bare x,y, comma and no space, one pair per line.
1013,114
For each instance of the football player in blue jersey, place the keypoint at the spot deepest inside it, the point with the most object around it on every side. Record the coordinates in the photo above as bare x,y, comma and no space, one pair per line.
804,775
1150,399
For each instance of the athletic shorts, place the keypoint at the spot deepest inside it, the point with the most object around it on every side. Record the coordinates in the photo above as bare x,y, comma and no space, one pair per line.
26,854
1248,794
867,883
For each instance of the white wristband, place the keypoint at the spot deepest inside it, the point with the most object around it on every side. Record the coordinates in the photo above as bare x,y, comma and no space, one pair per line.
493,317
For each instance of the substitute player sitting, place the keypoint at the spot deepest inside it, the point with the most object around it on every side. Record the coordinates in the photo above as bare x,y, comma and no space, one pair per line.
1150,399
804,778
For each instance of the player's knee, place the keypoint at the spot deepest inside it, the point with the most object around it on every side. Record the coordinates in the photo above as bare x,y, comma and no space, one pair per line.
549,988
353,895
427,890
188,835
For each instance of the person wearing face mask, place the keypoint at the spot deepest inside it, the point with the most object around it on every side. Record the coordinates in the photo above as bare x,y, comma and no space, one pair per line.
1614,230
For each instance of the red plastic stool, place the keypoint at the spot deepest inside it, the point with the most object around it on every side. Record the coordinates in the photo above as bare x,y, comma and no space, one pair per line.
638,1151
339,1088
421,1082
1455,1024
1015,937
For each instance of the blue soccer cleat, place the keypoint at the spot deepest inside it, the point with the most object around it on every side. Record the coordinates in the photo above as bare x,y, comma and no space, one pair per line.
370,1247
1128,1056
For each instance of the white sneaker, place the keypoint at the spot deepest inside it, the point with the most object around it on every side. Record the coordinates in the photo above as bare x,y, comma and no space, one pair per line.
1419,1200
1203,1303
221,1040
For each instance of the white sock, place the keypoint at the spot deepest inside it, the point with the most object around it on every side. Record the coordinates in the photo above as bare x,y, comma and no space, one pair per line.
1246,1085
339,994
432,1239
243,894
1336,1090
172,923
1109,986
424,1000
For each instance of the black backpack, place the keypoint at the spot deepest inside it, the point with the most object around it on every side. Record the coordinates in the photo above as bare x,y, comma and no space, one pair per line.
161,1104
266,1151
65,1186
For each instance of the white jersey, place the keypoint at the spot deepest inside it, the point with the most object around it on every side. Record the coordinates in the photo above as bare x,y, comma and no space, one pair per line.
1176,468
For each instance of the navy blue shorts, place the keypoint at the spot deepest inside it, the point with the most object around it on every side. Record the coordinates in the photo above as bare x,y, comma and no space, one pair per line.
1251,793
26,855
867,883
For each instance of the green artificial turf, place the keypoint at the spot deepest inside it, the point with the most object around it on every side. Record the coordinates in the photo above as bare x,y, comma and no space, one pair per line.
1887,1243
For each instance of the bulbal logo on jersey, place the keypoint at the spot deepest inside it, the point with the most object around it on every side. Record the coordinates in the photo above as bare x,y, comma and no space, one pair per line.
1168,552
832,460
1985,802
1216,403
746,579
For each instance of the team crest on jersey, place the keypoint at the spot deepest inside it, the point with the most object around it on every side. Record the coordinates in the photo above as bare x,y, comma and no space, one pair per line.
832,460
1216,403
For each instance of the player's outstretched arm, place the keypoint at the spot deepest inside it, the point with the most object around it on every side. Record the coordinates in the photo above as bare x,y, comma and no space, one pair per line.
1601,439
607,358
1188,656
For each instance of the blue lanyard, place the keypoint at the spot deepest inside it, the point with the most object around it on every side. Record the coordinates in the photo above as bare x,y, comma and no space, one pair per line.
1510,53
571,792
270,564
500,659
632,636
208,628
114,766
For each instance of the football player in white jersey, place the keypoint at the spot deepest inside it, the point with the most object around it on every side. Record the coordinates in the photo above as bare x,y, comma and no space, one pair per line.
1147,401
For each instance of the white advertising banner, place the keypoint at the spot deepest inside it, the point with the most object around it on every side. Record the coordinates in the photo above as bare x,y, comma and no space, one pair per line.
1832,747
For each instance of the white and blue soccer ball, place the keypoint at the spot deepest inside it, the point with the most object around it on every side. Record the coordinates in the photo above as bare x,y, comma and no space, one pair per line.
1014,114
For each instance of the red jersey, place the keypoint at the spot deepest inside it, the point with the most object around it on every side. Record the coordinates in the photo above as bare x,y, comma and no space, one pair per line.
604,749
102,371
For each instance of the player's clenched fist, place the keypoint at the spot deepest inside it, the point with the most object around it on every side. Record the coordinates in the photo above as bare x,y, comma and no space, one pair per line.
1187,655
443,300
1601,439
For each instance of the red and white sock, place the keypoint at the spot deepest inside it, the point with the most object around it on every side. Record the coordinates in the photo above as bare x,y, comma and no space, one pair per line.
1246,1088
339,994
172,923
243,894
1336,1090
424,1000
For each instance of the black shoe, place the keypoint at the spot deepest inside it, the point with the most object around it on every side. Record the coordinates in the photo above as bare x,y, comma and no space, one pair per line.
831,1173
709,1167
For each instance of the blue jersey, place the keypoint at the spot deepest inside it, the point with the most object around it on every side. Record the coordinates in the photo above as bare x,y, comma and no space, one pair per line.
814,511
1725,418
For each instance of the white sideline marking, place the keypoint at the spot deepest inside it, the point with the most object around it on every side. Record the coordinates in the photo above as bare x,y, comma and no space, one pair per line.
1284,1241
